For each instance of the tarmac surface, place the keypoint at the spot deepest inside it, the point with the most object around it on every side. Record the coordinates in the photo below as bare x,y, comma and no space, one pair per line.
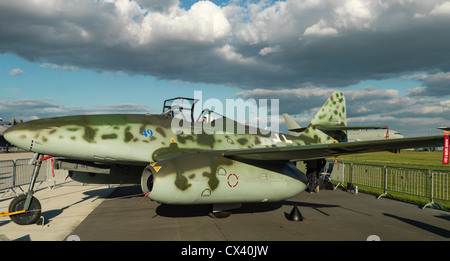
73,211
63,208
331,215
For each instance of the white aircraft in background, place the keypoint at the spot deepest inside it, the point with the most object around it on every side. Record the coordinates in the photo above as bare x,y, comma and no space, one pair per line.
380,134
445,130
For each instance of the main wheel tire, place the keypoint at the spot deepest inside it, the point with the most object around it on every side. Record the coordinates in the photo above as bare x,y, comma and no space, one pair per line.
30,216
220,214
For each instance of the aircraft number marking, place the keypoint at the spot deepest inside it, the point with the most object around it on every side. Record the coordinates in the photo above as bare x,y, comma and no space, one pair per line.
147,133
232,182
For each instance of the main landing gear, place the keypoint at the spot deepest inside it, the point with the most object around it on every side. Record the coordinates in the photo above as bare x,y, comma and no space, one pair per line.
26,209
223,210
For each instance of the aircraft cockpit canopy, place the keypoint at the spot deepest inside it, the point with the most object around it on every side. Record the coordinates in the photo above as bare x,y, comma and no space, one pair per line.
185,108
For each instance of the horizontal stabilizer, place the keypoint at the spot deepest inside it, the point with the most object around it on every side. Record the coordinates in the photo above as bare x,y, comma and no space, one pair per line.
298,129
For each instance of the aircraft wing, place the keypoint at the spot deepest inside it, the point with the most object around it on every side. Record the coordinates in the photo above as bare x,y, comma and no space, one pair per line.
309,152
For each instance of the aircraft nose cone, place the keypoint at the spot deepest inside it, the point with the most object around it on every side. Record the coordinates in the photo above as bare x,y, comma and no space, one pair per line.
9,135
17,137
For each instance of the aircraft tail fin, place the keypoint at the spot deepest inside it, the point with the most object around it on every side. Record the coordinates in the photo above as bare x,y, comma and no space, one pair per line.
293,127
330,123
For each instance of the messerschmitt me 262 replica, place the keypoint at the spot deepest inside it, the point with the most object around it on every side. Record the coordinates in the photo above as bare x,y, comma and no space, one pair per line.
220,168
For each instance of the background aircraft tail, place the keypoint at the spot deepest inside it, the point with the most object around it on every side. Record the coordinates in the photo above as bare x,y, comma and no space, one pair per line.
329,124
293,127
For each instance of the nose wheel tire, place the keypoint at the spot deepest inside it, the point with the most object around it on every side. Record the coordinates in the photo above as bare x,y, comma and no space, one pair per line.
28,217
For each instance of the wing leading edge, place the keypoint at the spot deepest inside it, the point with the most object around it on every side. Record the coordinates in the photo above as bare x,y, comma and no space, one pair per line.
309,152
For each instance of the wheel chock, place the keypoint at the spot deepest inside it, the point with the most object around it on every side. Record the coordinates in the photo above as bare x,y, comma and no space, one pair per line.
6,213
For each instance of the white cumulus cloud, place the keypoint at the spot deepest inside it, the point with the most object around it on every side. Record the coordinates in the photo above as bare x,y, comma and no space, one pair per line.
15,72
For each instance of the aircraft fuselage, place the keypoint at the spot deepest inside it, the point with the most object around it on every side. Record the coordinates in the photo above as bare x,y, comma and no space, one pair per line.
190,168
127,138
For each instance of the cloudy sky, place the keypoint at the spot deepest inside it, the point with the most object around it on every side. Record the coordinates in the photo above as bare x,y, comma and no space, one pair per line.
390,58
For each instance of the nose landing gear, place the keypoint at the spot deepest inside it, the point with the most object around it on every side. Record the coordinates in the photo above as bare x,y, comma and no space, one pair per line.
22,216
26,209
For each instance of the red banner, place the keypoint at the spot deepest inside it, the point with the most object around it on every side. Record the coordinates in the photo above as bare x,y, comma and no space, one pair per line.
446,149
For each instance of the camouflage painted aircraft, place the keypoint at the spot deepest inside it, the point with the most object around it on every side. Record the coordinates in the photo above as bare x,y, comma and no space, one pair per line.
221,169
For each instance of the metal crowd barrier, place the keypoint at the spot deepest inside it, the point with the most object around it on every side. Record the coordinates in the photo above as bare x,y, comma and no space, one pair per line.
440,182
408,180
431,184
7,175
367,175
334,172
14,174
24,171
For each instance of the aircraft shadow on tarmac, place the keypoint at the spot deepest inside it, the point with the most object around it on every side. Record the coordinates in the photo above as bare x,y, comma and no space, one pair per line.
204,210
92,194
430,228
135,193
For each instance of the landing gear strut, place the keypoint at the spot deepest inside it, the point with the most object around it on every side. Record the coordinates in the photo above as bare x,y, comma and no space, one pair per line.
26,209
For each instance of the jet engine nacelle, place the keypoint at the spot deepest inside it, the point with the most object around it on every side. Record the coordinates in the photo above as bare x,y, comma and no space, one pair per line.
208,177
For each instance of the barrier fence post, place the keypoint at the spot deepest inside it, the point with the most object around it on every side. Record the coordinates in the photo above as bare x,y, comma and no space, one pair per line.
351,173
14,177
384,183
429,204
